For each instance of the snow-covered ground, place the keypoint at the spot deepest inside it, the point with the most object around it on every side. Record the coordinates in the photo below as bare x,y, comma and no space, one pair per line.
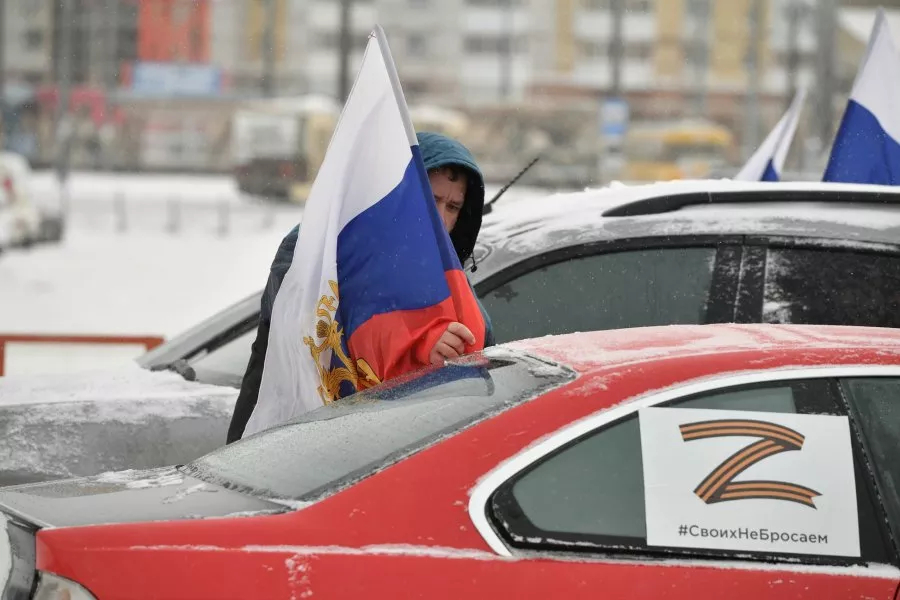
136,283
142,274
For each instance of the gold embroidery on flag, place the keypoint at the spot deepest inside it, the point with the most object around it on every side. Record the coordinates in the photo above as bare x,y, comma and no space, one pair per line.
328,336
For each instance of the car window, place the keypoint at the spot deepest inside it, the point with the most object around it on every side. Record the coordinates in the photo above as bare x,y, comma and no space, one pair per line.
829,287
226,364
355,436
604,291
875,403
602,475
591,491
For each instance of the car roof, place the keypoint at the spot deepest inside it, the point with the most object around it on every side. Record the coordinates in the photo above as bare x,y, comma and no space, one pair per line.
809,345
849,215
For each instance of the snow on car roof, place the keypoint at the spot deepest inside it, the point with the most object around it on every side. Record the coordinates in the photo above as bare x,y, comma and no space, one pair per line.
619,347
522,226
128,382
619,193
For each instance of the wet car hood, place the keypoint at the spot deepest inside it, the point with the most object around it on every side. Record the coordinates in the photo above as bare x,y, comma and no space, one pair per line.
127,497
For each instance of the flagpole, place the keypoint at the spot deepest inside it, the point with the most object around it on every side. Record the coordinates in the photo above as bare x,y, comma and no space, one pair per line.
794,109
395,84
394,77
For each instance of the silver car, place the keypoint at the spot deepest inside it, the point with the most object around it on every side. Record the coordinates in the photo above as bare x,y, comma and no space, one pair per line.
675,253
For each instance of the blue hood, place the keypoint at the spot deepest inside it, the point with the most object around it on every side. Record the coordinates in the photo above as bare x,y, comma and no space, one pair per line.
441,151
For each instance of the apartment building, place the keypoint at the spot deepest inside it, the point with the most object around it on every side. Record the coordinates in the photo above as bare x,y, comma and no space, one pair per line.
27,40
443,48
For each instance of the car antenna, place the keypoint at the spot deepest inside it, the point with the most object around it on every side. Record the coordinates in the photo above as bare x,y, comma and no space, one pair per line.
488,205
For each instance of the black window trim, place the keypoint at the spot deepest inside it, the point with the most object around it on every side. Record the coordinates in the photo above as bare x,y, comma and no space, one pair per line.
583,250
482,495
723,289
861,447
748,305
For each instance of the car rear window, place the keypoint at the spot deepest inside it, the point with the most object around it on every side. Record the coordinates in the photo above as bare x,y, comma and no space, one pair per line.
831,287
347,440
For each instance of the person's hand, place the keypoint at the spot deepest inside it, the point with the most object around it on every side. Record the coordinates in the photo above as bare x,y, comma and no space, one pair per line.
451,344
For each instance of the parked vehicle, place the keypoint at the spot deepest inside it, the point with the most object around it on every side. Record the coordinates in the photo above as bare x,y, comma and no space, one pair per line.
452,123
680,252
677,253
677,150
278,144
61,426
506,136
20,217
535,470
216,350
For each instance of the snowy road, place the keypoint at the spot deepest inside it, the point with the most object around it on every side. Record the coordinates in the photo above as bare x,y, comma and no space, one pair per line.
147,278
134,283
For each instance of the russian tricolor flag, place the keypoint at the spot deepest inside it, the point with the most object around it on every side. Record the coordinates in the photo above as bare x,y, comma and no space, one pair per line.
375,280
767,162
866,148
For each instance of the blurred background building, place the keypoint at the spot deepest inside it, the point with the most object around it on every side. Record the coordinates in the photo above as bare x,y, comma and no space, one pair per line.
638,89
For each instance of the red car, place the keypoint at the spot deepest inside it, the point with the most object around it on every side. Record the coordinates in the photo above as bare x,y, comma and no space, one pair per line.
717,461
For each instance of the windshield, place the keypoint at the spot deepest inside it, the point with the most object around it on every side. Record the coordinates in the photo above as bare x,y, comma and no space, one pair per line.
200,336
226,364
349,439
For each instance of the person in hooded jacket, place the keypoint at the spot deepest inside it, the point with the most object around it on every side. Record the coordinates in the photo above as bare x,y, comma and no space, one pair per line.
458,187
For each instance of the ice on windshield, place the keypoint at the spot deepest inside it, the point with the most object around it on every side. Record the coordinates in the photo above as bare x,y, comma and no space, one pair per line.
352,438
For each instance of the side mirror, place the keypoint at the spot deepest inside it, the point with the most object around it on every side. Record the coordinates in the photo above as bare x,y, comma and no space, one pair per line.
181,367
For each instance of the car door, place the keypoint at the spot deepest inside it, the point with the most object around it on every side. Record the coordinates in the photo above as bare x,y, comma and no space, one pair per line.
574,507
875,411
787,281
630,283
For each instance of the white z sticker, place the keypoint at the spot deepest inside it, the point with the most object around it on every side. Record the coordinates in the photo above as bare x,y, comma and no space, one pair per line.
751,481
